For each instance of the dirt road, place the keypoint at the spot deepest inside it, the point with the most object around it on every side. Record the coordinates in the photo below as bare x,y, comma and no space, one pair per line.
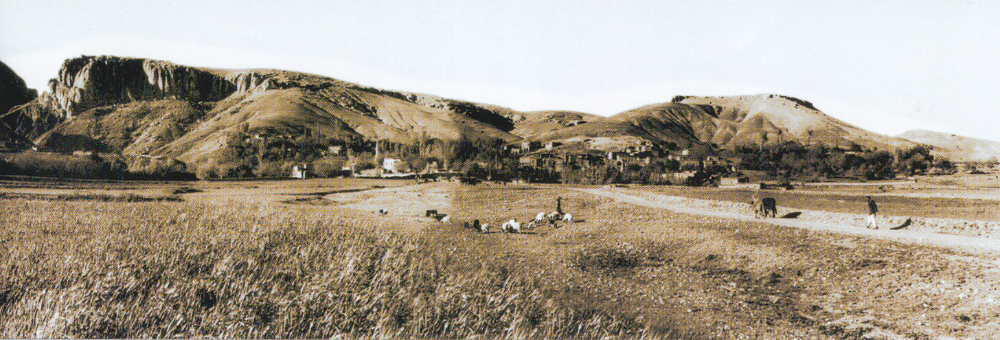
850,224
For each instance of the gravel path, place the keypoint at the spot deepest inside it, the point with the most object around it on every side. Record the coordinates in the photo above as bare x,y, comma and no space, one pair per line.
979,236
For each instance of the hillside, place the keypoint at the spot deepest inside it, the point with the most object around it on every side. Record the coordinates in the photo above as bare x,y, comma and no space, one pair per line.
728,122
955,147
149,107
141,106
532,124
13,92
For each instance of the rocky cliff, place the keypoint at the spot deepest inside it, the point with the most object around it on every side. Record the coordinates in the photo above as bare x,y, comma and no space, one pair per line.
88,82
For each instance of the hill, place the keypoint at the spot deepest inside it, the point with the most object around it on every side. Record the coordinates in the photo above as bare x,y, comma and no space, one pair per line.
728,122
955,147
144,107
141,106
13,92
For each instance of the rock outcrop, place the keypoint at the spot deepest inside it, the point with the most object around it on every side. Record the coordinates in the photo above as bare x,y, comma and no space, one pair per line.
88,82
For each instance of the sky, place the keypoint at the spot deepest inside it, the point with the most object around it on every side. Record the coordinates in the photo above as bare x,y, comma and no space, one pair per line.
885,66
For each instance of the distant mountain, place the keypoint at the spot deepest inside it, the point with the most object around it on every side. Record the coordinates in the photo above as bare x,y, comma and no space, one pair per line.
955,147
727,122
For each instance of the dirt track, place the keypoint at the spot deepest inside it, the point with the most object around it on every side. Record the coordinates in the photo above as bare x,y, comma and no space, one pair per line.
850,224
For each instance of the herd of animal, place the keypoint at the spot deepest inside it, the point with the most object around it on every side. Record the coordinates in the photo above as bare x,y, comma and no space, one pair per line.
511,226
762,207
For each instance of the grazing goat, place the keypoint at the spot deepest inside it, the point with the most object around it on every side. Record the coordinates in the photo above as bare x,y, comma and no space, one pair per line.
383,211
567,218
554,216
483,228
540,217
430,213
445,218
511,226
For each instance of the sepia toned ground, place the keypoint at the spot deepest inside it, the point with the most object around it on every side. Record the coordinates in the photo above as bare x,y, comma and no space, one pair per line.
637,261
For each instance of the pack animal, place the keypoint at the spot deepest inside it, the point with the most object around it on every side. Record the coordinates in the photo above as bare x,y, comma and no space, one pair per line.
768,206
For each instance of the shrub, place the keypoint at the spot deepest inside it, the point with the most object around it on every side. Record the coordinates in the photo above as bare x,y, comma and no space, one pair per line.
608,259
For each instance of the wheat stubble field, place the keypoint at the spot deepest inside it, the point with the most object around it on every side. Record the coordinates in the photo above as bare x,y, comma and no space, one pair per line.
314,259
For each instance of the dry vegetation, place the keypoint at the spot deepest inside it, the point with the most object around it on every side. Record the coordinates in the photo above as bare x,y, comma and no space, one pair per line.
77,269
230,260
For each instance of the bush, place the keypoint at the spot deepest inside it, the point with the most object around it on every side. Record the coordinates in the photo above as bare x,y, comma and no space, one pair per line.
609,260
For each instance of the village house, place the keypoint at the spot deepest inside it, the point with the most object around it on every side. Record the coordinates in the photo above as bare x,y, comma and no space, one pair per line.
391,165
543,160
301,171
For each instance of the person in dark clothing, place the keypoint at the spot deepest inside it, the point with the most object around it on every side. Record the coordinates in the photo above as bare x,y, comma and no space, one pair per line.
559,205
872,210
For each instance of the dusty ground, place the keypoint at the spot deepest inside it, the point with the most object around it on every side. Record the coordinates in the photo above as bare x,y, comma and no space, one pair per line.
819,276
707,266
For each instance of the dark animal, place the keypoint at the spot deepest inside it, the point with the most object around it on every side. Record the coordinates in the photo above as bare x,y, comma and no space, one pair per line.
768,206
431,213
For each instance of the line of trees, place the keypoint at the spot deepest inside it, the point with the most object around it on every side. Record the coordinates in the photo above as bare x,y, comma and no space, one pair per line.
794,160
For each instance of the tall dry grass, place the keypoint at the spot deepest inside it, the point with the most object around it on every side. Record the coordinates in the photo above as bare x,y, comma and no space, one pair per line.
180,269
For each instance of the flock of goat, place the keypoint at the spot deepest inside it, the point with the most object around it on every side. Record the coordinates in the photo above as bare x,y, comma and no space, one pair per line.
512,226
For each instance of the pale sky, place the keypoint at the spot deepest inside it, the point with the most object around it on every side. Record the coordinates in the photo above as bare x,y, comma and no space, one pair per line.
885,66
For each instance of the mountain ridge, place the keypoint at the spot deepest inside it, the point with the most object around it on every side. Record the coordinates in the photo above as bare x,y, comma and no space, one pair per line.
140,106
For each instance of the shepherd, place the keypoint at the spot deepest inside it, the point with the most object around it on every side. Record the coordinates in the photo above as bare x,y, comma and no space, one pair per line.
872,210
559,205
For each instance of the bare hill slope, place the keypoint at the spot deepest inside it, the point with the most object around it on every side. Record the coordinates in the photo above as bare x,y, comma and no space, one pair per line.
143,106
955,147
729,121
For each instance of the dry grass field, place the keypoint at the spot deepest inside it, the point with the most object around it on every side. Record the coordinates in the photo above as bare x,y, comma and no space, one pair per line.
315,259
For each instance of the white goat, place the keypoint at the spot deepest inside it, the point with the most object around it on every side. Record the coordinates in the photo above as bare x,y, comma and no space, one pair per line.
567,218
446,218
511,226
540,217
483,228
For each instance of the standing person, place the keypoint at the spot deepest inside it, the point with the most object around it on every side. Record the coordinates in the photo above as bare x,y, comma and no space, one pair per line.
872,210
559,205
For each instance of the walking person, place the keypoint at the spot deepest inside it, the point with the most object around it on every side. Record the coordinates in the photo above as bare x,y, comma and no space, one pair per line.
872,210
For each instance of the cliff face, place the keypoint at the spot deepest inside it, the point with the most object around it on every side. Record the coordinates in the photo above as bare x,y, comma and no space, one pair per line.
88,82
